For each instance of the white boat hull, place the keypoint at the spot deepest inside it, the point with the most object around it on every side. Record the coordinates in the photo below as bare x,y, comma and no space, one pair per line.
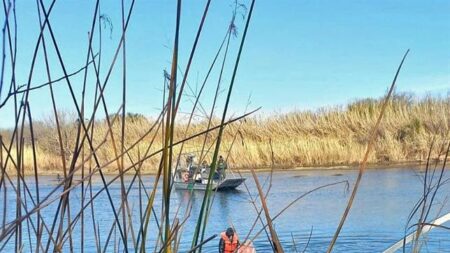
227,184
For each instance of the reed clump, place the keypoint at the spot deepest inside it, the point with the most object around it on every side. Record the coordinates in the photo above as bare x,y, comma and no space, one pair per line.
324,137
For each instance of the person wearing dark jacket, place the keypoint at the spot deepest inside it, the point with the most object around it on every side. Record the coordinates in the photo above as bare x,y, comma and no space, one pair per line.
229,241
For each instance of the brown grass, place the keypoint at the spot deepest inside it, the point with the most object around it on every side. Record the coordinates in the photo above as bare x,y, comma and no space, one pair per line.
325,137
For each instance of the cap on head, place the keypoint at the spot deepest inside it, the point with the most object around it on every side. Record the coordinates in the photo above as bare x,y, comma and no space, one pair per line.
229,232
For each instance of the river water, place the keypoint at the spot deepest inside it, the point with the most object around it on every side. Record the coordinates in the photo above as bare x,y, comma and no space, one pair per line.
377,219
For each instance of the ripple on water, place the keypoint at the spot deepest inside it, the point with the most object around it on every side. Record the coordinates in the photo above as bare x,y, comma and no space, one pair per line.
376,221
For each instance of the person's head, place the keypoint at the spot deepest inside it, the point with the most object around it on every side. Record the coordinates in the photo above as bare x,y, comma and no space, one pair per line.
229,232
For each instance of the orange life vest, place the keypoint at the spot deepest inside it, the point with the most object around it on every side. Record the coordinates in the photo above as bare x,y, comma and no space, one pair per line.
230,246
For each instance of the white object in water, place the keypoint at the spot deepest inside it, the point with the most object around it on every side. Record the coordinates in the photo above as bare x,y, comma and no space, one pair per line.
412,236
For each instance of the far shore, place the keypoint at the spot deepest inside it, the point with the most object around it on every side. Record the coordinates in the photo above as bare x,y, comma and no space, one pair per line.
326,139
384,166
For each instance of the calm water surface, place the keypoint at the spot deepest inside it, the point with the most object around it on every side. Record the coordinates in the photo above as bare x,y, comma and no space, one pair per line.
377,219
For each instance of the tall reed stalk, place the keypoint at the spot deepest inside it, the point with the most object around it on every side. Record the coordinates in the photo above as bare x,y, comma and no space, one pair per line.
363,164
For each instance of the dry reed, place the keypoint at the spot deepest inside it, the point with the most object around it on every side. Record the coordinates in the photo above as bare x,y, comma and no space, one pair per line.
325,137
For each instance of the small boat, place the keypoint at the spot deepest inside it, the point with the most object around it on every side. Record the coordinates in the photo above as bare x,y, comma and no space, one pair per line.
224,185
195,177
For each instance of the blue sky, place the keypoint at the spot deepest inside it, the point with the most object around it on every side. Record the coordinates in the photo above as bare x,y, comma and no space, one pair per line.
298,54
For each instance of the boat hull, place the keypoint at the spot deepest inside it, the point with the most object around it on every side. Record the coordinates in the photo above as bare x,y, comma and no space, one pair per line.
227,184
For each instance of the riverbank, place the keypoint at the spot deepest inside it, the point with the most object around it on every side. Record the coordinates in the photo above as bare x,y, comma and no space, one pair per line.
325,138
381,166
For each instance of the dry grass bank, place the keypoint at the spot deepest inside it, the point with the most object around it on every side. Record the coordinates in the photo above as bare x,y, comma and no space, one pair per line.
332,136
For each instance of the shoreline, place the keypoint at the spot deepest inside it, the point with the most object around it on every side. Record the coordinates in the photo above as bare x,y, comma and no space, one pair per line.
376,166
278,168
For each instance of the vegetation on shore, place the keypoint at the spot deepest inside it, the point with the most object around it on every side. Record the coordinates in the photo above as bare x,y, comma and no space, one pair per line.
324,137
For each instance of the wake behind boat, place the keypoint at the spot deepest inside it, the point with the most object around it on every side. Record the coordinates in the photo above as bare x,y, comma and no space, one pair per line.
195,177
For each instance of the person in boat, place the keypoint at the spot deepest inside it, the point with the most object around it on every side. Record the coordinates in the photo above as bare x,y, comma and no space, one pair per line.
229,241
221,168
198,176
247,247
191,168
204,165
185,176
204,169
